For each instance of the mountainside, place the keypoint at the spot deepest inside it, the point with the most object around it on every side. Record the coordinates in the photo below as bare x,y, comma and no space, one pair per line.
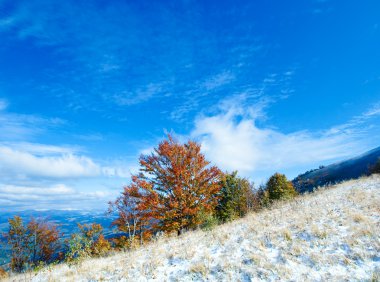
329,235
334,173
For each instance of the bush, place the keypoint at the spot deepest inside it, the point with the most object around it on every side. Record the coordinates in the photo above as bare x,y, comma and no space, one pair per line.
123,243
278,187
88,242
262,196
79,248
208,221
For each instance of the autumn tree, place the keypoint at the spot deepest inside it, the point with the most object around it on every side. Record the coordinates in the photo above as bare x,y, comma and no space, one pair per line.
32,244
278,187
44,238
18,241
174,185
236,197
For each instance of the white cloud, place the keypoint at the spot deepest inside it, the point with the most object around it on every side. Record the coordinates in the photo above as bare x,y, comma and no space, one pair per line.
41,149
58,189
233,141
57,196
60,166
29,160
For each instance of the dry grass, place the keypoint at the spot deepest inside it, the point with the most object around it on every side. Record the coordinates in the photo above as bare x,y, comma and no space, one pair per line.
329,235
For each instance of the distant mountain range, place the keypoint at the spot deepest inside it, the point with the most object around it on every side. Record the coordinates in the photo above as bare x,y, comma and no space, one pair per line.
334,173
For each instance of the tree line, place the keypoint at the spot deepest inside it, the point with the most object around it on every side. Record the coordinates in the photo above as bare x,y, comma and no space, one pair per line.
175,190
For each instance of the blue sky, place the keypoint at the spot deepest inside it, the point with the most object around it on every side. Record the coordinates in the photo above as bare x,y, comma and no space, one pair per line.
265,86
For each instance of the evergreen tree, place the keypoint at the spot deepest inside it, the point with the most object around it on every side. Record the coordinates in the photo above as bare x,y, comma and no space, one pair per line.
235,198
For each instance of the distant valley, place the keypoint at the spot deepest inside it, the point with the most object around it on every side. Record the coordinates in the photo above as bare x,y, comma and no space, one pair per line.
67,220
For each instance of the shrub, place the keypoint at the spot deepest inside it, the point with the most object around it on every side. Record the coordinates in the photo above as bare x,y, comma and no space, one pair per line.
89,241
78,249
101,246
262,196
126,242
93,233
278,187
208,220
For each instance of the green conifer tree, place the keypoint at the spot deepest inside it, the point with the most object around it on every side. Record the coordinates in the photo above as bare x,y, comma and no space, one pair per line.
235,197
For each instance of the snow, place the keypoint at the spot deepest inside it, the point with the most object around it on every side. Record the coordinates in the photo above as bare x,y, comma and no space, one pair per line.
329,235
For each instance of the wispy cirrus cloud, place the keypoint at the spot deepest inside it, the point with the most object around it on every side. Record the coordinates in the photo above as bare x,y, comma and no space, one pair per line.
360,122
20,126
204,95
137,61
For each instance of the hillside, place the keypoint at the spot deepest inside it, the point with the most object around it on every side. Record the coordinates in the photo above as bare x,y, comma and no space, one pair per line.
330,235
334,173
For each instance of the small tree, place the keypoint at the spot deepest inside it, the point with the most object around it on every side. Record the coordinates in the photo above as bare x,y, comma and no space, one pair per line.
263,196
279,187
32,244
18,241
175,183
236,197
131,221
44,241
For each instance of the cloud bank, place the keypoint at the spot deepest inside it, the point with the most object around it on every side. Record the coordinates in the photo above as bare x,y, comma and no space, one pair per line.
233,140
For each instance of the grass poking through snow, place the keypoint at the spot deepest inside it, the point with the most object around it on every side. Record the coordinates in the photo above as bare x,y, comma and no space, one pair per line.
329,235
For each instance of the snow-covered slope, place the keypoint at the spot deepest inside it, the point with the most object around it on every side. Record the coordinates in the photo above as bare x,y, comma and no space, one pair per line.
330,235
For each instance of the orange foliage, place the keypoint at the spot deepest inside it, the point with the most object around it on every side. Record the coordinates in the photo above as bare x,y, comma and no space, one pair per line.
174,185
45,237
